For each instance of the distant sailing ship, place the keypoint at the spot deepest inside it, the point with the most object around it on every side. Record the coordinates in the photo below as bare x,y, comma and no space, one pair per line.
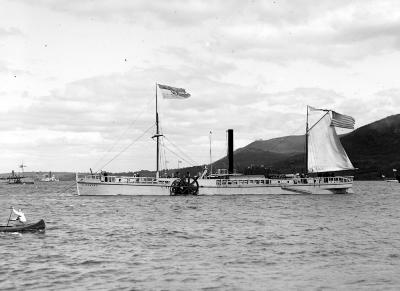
324,152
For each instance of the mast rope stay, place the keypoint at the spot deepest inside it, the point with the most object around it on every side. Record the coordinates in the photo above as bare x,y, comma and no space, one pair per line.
327,112
123,134
163,156
127,147
179,156
187,157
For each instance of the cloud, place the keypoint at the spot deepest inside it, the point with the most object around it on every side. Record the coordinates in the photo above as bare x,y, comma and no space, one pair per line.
194,12
391,93
250,65
102,115
98,112
8,69
12,31
333,33
174,12
326,44
329,33
365,111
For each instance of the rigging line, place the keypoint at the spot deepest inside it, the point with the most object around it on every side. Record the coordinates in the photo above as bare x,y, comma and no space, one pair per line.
128,146
125,131
180,157
159,145
68,187
185,156
318,121
163,156
182,152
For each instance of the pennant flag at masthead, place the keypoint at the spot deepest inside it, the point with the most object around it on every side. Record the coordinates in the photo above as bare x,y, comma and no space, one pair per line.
169,92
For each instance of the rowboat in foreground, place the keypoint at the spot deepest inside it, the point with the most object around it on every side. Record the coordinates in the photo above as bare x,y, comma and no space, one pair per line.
30,227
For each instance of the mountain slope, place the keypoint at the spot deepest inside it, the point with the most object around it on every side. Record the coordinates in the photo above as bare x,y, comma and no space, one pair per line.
373,149
285,145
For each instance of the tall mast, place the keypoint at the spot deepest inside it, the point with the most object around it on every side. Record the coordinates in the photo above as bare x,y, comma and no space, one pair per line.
210,154
157,137
307,143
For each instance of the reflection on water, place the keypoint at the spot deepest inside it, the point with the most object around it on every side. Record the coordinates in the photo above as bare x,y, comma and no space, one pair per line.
188,243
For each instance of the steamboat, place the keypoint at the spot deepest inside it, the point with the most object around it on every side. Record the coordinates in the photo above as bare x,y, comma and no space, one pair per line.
324,154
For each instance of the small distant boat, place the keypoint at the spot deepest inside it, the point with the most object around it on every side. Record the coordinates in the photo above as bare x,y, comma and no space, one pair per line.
395,179
30,227
19,179
392,180
49,178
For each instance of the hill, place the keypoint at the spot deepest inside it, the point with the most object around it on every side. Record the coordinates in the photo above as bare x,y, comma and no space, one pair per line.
373,149
284,145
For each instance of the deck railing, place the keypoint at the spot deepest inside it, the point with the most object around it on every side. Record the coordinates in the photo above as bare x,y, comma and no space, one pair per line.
97,178
286,181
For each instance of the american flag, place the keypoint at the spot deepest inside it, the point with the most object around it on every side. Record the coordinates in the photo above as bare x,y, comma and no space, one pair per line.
343,121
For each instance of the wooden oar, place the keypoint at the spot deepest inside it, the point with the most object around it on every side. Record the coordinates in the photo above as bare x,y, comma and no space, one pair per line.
9,217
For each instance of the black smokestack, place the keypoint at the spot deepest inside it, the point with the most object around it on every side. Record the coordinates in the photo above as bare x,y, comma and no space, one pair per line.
230,150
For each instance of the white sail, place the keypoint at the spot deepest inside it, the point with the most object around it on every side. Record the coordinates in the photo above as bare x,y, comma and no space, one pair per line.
325,152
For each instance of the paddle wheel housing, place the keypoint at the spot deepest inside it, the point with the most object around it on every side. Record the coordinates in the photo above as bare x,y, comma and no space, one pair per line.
184,186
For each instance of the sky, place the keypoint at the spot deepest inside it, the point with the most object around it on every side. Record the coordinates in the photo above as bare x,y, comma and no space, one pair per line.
78,78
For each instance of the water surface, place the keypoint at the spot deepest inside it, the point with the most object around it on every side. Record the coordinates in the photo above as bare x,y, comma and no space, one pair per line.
325,242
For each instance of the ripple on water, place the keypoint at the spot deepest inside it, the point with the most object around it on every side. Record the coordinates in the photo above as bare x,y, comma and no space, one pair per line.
204,243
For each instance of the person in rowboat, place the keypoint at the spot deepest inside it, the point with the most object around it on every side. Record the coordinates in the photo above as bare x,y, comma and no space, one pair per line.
20,216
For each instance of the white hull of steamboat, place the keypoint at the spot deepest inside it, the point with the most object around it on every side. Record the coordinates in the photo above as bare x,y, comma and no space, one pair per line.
92,185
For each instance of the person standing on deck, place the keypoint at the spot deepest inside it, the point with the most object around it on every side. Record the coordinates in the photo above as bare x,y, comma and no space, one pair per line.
20,215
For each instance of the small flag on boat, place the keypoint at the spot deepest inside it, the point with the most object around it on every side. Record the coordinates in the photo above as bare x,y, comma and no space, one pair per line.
310,108
313,108
343,121
169,92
